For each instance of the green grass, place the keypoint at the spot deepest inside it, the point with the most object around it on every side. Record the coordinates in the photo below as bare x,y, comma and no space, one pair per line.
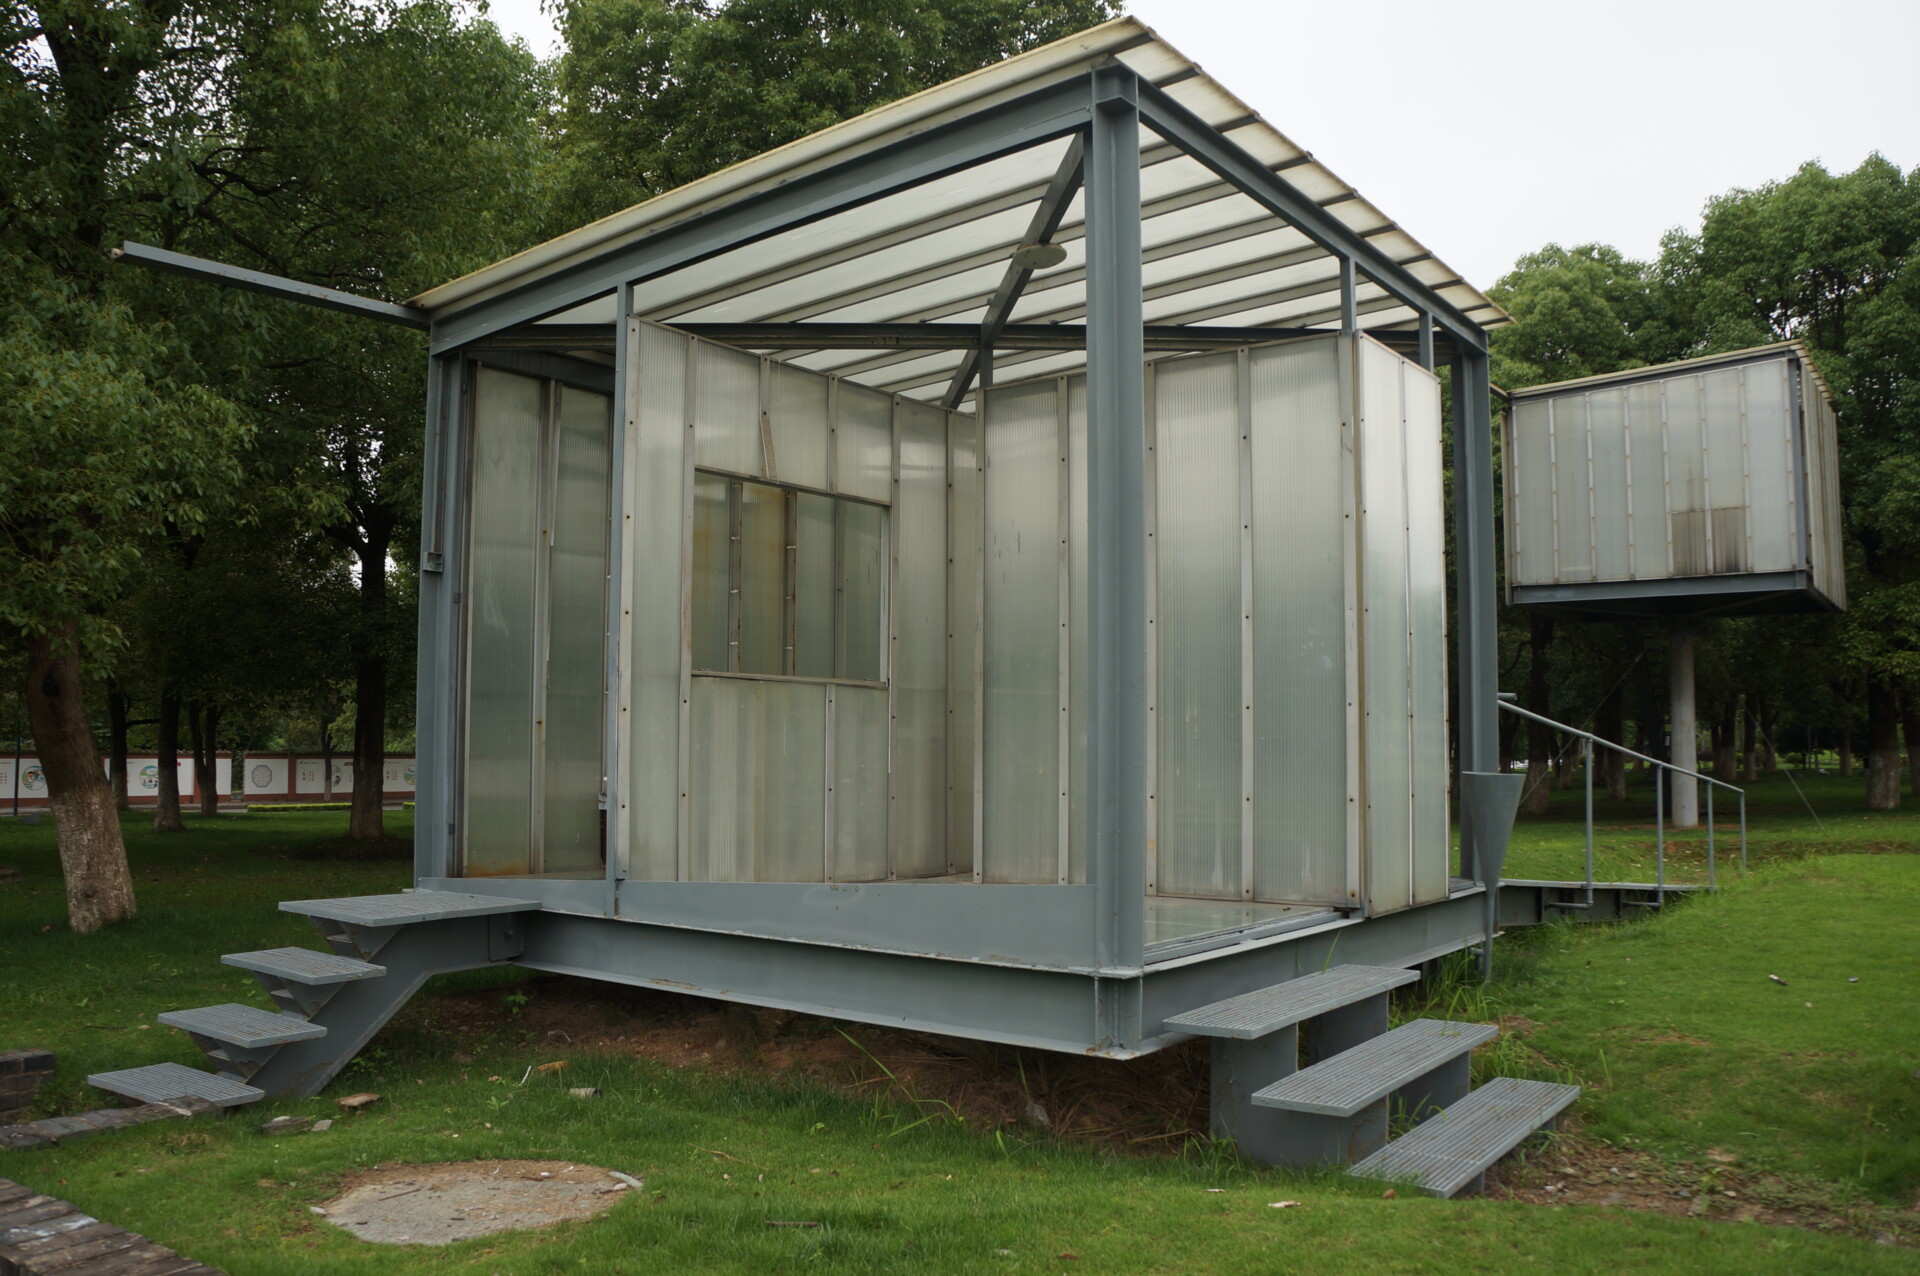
895,1192
1781,827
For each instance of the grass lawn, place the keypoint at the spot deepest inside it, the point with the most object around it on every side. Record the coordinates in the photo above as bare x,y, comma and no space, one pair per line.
1686,1048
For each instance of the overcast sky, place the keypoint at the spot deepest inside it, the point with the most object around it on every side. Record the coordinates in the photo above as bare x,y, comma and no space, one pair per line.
1487,128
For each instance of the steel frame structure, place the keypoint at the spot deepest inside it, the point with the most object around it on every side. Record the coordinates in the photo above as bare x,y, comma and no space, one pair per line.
1058,966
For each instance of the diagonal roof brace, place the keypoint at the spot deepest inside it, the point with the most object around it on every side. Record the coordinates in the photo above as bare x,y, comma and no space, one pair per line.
1046,223
259,281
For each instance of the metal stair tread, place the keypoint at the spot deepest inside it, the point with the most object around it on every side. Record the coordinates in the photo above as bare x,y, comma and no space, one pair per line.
1265,1010
243,1026
1453,1147
163,1082
406,908
1352,1079
304,965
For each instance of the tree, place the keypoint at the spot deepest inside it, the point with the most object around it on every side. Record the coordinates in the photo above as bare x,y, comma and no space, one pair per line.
655,93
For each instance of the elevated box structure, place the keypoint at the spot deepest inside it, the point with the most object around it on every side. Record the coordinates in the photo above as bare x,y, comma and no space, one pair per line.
1705,487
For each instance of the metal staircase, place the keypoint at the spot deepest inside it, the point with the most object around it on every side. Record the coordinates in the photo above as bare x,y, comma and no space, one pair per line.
1308,1073
331,1003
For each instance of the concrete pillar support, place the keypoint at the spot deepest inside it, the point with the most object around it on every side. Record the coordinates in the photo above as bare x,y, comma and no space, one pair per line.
1684,810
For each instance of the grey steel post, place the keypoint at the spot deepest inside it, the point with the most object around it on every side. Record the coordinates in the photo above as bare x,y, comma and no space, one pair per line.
1743,832
1660,837
436,659
1589,752
1116,525
1349,297
1473,505
1426,340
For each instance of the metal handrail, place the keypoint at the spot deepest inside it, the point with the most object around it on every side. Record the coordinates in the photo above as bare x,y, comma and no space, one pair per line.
1659,806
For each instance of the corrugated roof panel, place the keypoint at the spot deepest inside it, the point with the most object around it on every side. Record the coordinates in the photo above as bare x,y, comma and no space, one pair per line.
937,252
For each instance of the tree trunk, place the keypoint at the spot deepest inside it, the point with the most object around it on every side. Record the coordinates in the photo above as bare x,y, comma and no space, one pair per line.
1769,753
1569,761
166,734
1846,744
1612,765
117,744
1910,727
93,859
1539,791
204,754
1726,740
1509,737
1750,747
1883,746
370,699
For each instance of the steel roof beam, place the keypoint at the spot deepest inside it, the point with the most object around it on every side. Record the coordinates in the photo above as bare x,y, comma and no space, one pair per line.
259,281
1041,230
1167,117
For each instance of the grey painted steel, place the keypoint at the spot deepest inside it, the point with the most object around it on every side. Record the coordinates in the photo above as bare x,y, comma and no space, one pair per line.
1255,1014
1012,126
550,367
1476,706
359,1009
247,1027
1344,1084
1747,594
407,908
173,263
927,336
1454,1149
1488,803
1530,903
1165,116
1117,670
162,1082
1424,355
304,965
437,661
1041,230
1683,730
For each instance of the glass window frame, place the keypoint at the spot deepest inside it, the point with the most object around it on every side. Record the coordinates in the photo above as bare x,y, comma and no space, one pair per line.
789,594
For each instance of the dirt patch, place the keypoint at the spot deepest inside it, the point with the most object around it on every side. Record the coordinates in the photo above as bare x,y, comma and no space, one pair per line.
1147,1105
439,1204
1574,1170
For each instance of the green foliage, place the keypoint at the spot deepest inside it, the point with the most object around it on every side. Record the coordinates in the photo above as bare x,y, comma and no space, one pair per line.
655,93
108,435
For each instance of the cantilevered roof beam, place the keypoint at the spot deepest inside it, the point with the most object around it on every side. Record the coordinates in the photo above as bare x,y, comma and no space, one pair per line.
1040,232
259,281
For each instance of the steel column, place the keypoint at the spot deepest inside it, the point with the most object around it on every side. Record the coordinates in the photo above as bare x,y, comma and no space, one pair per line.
1116,524
437,653
1473,505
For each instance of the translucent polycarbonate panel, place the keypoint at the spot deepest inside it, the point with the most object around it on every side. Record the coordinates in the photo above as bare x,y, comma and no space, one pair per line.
859,850
1299,625
1647,441
1384,632
862,595
1774,523
1530,480
797,420
1022,781
813,592
655,502
758,781
919,636
712,549
576,635
726,409
502,622
1427,600
763,578
1726,464
1197,623
1572,487
863,443
1077,629
963,522
1830,565
1607,434
1686,476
